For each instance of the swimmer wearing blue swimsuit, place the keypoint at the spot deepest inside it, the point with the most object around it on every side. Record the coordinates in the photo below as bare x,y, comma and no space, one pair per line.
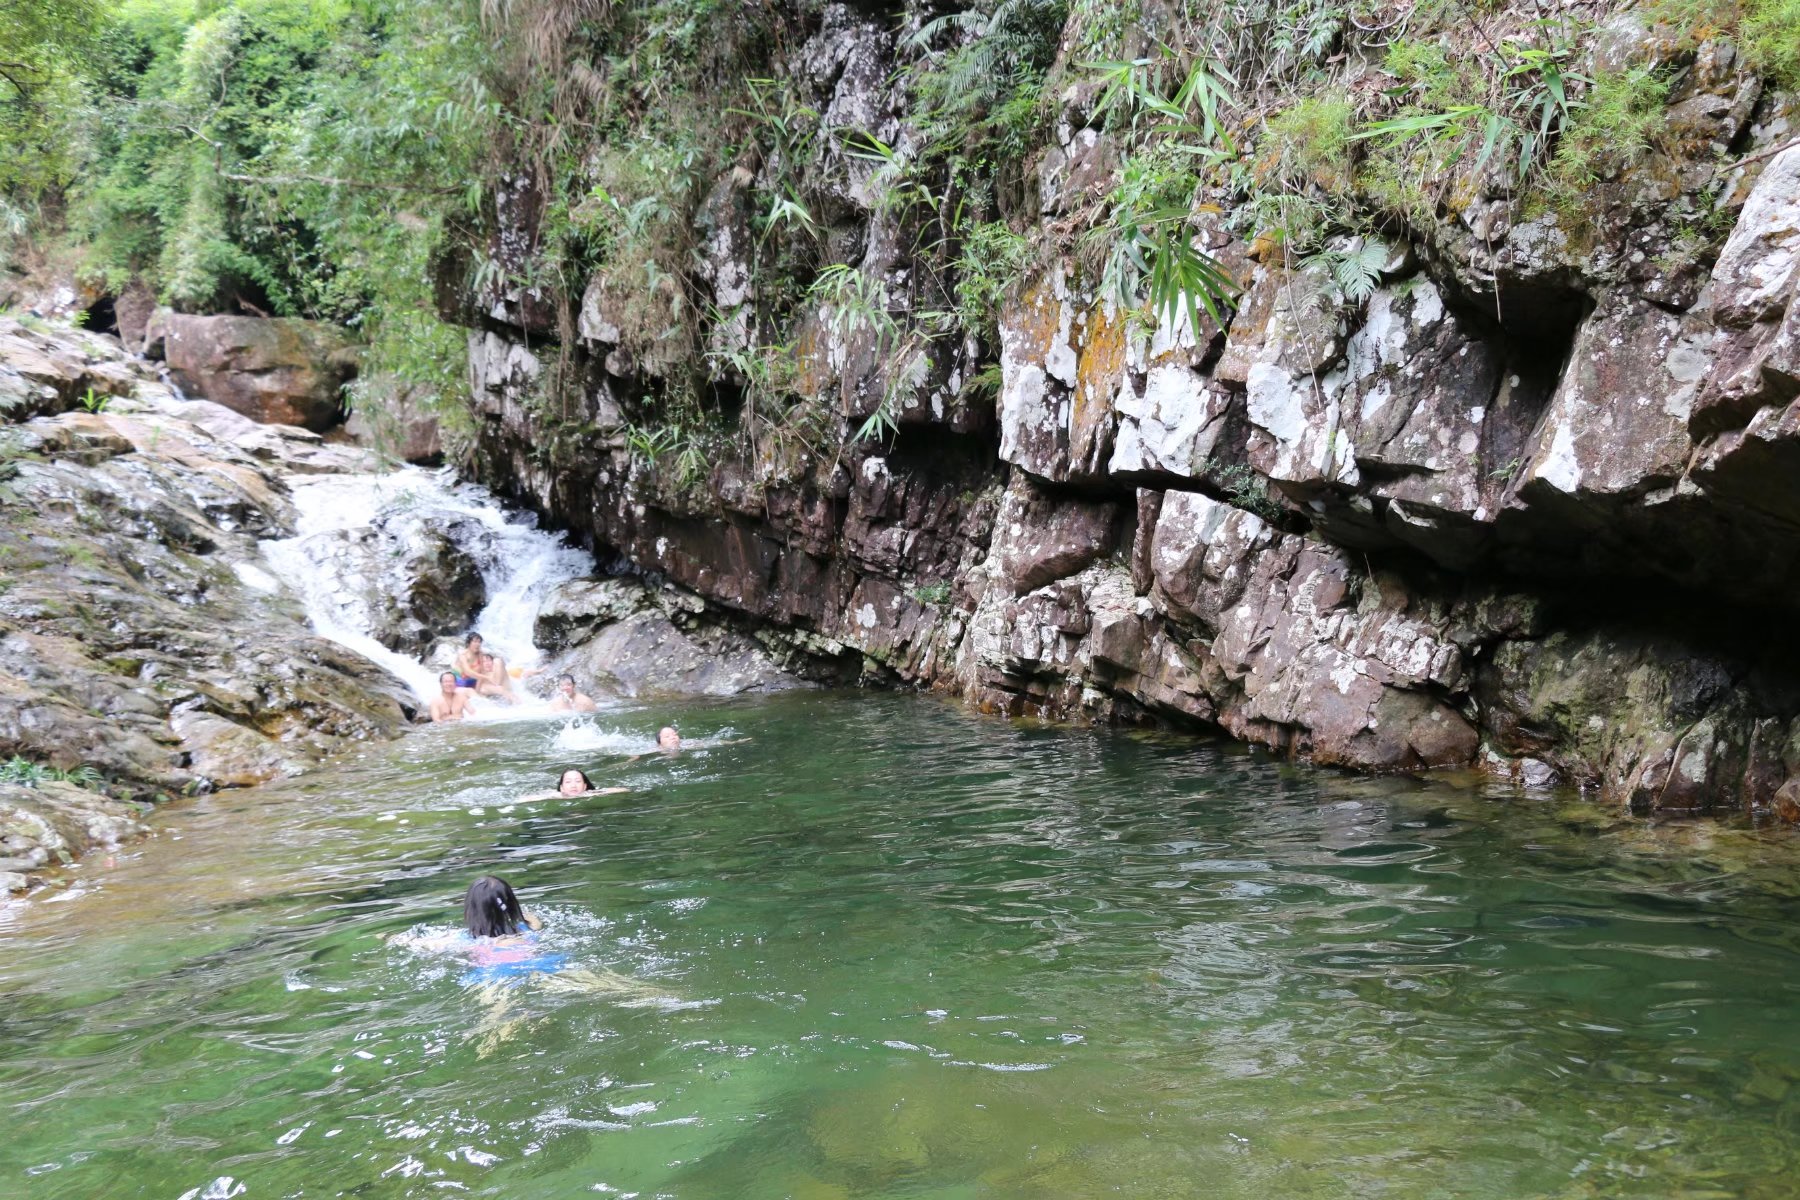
502,936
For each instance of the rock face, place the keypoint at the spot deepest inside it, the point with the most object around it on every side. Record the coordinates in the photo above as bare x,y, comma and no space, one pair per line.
44,372
1530,505
397,425
279,371
623,637
139,637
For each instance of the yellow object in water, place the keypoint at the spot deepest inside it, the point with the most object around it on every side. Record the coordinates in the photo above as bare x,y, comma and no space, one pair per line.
515,672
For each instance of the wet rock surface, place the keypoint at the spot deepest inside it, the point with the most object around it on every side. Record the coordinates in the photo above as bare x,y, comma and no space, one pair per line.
140,635
409,577
52,823
629,638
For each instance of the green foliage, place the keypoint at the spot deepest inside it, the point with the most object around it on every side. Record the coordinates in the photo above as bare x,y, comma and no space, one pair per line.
786,130
21,772
1772,38
1101,27
1500,113
94,402
674,450
1767,31
1278,44
1247,490
1353,265
634,230
1146,243
992,260
189,100
853,302
1617,121
297,157
978,83
1312,140
44,45
937,593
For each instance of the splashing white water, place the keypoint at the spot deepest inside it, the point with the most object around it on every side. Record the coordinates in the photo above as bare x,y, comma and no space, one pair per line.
519,564
585,736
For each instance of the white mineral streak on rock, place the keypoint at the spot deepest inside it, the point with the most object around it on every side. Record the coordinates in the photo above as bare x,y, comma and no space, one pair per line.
1755,274
1558,467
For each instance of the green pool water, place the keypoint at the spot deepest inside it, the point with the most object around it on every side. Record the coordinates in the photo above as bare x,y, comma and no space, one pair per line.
884,948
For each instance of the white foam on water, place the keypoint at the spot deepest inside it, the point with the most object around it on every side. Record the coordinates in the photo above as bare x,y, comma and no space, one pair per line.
519,563
588,737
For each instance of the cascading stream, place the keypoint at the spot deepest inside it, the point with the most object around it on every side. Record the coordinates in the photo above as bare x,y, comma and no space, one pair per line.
519,563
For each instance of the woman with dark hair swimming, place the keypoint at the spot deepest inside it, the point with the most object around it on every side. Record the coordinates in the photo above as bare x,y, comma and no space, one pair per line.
491,910
504,934
499,942
574,782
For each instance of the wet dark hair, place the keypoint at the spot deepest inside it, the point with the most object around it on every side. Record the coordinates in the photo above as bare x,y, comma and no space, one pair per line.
490,909
472,638
587,785
448,675
560,678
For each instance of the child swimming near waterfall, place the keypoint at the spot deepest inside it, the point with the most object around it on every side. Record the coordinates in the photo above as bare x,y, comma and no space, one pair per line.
464,663
574,782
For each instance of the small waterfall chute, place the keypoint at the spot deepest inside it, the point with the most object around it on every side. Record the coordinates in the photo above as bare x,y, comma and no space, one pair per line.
519,565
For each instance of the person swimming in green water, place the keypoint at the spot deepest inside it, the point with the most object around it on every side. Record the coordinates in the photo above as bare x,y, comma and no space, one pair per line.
491,910
499,941
574,782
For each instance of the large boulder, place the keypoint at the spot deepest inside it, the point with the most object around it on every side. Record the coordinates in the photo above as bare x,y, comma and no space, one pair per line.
409,577
281,371
395,422
624,636
132,309
646,657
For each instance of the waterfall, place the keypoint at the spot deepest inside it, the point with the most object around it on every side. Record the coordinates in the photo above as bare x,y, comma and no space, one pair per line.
519,563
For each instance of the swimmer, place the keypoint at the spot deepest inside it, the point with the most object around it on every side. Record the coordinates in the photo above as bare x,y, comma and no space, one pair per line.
491,679
491,910
465,663
568,699
470,668
491,917
573,782
453,702
669,742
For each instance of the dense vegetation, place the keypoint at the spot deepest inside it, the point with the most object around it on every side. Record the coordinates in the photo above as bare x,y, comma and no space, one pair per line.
328,158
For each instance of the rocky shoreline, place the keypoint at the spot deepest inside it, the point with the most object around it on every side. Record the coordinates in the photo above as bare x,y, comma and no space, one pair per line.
147,651
141,644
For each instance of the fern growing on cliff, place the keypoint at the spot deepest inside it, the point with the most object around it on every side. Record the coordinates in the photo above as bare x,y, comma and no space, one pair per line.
1145,237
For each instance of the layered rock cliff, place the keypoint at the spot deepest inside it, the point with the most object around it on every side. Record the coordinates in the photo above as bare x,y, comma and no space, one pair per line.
1527,500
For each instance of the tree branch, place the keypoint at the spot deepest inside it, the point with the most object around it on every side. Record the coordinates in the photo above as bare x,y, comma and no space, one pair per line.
1771,152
